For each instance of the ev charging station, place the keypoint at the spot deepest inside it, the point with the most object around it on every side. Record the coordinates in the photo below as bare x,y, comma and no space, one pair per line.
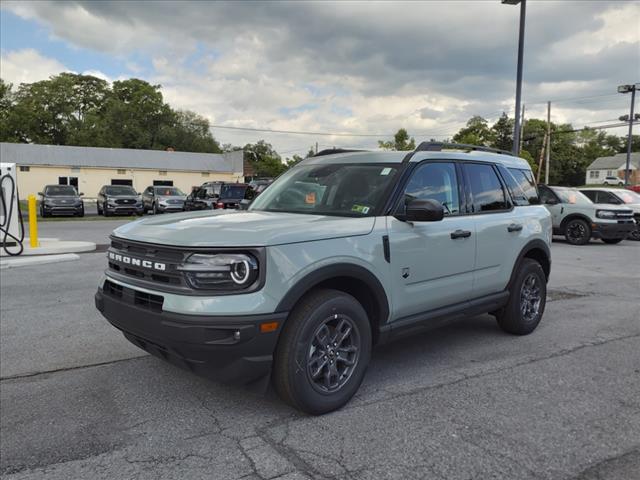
11,227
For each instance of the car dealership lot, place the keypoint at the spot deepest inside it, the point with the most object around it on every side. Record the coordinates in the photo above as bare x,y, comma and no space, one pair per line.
464,401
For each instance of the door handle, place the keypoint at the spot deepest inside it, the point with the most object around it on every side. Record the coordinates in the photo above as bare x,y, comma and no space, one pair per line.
460,234
514,227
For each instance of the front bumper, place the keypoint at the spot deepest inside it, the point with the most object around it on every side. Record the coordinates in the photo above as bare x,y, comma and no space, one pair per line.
63,209
124,209
613,230
173,207
229,349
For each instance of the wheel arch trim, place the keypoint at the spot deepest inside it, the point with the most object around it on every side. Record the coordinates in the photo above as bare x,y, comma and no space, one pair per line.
530,247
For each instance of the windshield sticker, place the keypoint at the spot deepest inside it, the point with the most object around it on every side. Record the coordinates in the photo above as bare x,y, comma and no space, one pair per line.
360,209
310,198
385,171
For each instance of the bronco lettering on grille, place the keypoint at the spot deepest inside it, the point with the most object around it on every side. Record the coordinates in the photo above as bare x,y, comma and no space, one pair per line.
136,262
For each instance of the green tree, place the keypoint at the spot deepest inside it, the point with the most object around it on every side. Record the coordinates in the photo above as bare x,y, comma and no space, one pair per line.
136,114
476,132
503,132
7,133
401,141
188,132
264,159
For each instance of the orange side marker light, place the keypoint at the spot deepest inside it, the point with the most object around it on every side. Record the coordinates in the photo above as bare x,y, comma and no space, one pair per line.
268,327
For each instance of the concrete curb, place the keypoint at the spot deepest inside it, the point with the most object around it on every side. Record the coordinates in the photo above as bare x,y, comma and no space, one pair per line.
13,262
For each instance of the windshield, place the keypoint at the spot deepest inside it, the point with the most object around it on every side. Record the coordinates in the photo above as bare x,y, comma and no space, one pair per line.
120,190
353,190
629,197
572,196
169,191
60,191
232,191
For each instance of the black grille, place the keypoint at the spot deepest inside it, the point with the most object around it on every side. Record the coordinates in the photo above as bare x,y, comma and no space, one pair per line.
129,295
146,263
125,201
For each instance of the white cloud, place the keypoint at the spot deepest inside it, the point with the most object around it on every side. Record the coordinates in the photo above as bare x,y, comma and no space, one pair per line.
28,65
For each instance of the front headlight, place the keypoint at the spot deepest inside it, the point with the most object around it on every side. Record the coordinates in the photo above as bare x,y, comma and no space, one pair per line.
606,214
111,203
233,271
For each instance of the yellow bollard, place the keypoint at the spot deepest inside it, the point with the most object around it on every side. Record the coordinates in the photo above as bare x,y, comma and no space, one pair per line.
33,222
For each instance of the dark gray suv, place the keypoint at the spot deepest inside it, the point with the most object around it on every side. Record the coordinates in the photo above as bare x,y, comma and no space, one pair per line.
60,200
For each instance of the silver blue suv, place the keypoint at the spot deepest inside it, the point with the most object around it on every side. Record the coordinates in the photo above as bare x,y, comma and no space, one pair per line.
345,251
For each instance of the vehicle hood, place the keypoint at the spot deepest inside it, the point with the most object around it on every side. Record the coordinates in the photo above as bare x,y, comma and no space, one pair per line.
241,228
590,209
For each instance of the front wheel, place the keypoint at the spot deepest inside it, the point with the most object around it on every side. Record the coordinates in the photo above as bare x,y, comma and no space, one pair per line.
527,300
323,352
612,241
577,232
155,209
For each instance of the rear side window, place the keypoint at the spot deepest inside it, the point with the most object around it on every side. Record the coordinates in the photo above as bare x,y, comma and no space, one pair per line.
591,195
517,194
486,189
527,184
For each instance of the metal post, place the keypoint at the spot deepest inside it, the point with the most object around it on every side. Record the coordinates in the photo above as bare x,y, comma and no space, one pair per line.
33,222
516,131
548,152
630,137
524,107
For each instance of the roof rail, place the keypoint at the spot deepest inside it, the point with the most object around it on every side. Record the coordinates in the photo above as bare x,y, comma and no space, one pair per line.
439,146
331,151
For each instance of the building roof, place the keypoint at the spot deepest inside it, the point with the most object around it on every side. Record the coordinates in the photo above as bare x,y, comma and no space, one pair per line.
58,155
615,161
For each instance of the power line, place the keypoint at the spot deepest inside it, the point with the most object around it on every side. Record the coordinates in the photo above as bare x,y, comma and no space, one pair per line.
297,132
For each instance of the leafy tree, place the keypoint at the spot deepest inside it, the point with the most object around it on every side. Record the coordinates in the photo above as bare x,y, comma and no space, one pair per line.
188,132
503,132
401,141
476,132
264,159
7,133
635,144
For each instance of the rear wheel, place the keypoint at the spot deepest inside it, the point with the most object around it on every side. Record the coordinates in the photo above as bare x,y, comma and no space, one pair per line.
577,232
527,300
323,352
612,241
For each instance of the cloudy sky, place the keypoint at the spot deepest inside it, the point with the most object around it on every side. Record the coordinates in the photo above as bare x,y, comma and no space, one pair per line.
365,68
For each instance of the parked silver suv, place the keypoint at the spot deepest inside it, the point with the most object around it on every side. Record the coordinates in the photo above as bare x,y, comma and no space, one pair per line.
345,251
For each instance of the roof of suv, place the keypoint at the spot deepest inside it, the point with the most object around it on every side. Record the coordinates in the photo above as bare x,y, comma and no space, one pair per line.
398,157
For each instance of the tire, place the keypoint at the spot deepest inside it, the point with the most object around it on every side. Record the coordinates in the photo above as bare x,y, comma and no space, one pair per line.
81,214
105,212
612,241
42,213
635,235
577,232
297,353
530,286
155,209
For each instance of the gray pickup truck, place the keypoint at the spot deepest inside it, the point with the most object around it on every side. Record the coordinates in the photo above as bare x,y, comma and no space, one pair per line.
345,251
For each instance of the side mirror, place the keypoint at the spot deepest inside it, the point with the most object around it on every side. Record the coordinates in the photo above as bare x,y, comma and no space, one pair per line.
551,201
41,194
81,194
423,211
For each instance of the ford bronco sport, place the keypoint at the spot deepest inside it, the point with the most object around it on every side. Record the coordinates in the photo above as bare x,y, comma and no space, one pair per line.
344,251
579,219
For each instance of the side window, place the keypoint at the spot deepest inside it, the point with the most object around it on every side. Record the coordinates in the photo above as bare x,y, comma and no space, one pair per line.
606,197
517,194
546,194
435,181
486,189
527,184
591,195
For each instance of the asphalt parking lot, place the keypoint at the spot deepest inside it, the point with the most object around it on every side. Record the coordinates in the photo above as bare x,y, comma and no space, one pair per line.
463,402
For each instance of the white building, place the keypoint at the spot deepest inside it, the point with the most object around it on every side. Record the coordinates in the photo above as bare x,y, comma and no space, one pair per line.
613,166
89,168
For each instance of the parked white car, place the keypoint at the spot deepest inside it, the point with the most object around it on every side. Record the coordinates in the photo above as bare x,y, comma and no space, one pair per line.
613,181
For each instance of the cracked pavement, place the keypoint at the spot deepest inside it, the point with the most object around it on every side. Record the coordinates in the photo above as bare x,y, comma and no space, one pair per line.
463,402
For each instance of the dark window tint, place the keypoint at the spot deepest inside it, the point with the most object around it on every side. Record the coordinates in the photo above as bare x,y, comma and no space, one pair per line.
526,183
591,194
517,194
435,181
546,194
60,191
606,197
232,191
486,188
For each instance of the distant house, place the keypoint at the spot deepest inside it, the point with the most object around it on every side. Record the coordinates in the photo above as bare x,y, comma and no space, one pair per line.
614,166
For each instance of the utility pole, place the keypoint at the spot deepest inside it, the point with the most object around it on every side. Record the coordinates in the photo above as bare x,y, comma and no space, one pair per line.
316,147
516,129
548,138
630,137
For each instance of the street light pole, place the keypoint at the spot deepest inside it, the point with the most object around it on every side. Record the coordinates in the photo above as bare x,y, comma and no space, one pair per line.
516,130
